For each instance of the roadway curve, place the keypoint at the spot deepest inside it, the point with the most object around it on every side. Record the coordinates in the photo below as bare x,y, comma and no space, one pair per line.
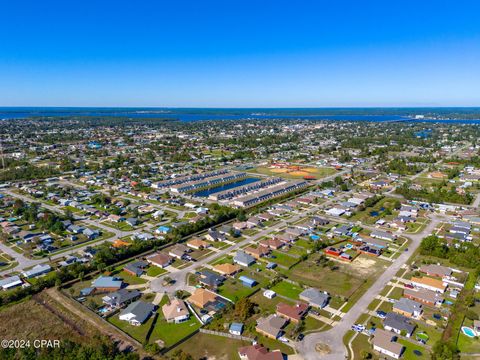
334,337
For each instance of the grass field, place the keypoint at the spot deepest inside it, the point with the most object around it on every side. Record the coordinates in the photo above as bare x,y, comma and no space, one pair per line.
206,346
44,319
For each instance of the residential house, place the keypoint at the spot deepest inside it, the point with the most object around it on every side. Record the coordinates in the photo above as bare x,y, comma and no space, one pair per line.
121,297
271,326
227,269
314,297
10,282
137,313
424,296
107,283
257,252
37,270
407,307
175,311
386,343
429,284
136,268
258,352
160,259
243,259
210,279
399,324
197,244
436,270
272,243
294,313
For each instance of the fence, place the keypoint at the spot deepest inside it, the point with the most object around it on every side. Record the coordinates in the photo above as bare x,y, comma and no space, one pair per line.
228,335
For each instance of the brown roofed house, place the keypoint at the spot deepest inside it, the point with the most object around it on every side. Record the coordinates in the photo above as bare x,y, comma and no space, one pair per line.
257,252
272,243
258,352
198,244
159,259
202,297
292,312
227,269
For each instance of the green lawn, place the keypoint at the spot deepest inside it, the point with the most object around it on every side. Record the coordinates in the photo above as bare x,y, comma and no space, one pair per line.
155,271
130,279
410,348
171,333
283,259
287,289
139,333
234,290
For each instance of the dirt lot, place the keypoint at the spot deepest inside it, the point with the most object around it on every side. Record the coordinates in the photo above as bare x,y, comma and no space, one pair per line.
344,280
42,318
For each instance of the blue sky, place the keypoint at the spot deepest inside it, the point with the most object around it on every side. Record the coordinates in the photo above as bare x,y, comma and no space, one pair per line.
239,53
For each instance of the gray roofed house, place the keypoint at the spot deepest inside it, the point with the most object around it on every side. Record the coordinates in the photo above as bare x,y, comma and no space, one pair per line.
121,297
132,221
136,268
343,230
242,258
314,297
271,326
457,236
408,307
398,323
91,234
107,283
211,279
436,270
10,282
137,313
382,235
37,270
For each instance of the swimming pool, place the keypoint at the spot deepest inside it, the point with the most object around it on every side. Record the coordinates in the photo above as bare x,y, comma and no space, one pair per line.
315,237
468,331
348,246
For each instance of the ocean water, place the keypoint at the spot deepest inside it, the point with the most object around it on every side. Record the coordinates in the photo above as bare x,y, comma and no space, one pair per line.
202,114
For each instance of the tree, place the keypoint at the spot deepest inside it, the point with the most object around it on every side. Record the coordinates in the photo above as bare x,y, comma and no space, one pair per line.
181,355
244,308
365,355
445,351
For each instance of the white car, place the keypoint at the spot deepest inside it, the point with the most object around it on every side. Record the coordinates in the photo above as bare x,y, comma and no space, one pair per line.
358,327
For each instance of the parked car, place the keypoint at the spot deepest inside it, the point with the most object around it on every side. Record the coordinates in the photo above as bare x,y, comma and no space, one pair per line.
358,327
381,314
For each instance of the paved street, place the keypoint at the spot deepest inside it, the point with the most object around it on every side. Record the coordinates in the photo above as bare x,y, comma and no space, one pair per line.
334,337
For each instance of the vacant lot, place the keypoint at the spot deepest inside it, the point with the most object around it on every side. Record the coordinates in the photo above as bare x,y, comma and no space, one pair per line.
213,347
43,318
342,280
